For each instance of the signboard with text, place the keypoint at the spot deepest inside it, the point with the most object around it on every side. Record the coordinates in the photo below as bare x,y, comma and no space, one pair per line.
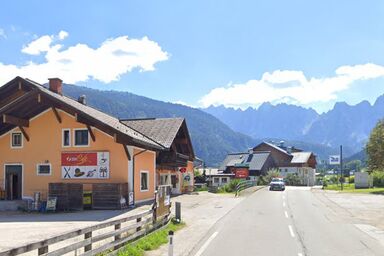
241,173
85,165
334,160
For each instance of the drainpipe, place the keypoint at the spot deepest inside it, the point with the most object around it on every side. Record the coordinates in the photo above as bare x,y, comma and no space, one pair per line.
133,171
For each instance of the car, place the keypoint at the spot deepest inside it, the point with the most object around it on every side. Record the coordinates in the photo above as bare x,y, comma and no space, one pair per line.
277,184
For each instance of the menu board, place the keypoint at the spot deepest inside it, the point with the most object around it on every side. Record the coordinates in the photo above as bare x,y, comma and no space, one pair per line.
85,165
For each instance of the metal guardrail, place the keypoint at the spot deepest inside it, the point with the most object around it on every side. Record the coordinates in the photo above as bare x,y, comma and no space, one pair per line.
244,185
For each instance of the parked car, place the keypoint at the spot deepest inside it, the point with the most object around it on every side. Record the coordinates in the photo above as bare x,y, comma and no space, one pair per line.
277,184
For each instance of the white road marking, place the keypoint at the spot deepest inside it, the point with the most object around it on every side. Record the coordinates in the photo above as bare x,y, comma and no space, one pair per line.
291,231
286,214
205,245
283,204
299,254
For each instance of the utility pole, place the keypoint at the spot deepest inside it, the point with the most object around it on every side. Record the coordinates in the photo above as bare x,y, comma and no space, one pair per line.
341,166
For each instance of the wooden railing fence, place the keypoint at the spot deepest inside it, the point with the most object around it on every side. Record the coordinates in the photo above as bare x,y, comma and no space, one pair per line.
93,240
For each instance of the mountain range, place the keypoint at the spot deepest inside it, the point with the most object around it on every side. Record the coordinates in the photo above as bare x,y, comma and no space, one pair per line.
216,131
211,138
347,125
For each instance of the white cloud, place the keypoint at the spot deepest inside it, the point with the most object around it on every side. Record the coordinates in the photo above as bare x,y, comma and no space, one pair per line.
78,63
2,33
290,86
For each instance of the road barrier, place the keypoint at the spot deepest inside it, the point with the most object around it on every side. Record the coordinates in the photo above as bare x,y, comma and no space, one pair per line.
244,185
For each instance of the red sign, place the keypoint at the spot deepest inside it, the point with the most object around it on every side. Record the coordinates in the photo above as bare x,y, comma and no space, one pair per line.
242,173
183,169
79,159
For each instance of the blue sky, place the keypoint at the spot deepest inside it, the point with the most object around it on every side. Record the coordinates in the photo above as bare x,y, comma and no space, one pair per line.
236,53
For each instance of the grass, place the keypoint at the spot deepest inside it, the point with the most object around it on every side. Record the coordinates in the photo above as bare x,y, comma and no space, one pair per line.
350,188
150,242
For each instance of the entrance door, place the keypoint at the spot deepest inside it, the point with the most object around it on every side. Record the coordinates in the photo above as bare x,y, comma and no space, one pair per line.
13,182
175,184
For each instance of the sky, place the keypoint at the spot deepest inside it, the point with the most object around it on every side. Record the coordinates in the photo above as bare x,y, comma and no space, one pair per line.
202,52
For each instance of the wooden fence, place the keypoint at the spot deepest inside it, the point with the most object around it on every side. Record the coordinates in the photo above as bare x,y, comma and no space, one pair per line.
96,239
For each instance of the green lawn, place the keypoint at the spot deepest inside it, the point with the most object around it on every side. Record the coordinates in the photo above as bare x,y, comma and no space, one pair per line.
350,188
151,241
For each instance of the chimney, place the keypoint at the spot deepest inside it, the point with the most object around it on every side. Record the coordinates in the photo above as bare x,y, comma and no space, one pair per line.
56,85
82,99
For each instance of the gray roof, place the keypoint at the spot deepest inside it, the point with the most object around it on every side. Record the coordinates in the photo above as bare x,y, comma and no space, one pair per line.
162,130
300,157
255,160
106,119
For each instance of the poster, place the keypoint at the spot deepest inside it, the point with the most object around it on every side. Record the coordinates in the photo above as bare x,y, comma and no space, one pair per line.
85,165
51,204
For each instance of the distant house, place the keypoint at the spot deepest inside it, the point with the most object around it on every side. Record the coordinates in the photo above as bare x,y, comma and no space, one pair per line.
291,160
248,165
174,165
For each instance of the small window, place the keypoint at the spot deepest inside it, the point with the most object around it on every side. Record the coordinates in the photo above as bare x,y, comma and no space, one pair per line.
81,137
223,180
144,181
216,180
17,140
43,169
66,138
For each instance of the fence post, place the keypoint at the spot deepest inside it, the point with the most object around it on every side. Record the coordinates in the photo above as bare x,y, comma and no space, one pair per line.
88,247
42,250
117,237
170,247
138,228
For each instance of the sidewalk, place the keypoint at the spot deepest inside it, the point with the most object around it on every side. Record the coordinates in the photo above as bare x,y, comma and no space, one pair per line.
360,208
200,212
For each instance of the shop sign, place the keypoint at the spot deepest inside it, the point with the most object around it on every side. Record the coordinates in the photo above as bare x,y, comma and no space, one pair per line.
183,169
85,165
187,179
241,174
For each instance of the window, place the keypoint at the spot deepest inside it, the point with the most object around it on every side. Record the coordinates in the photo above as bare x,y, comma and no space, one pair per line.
216,180
44,169
223,180
81,137
17,140
66,138
144,179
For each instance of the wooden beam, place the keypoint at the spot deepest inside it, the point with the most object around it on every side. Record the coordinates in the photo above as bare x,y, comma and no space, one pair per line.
57,115
91,133
39,98
8,119
24,133
181,140
127,152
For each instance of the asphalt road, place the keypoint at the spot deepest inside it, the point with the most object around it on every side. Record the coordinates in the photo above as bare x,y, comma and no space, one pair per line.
294,222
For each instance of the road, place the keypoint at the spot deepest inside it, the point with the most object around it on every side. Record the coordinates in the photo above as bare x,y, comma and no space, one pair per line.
294,222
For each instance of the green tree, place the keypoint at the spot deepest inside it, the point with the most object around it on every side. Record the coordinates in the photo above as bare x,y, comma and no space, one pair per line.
375,147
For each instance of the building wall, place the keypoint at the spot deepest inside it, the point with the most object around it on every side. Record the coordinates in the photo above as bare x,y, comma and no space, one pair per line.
145,162
183,185
45,145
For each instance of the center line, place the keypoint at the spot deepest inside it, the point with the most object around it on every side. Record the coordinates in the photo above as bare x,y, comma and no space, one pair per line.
291,231
283,204
205,245
299,254
286,214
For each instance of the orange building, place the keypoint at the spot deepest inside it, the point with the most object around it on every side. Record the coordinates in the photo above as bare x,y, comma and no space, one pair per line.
175,163
47,138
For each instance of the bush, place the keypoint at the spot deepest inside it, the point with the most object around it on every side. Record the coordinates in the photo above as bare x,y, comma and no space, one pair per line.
261,181
230,187
292,179
378,178
351,179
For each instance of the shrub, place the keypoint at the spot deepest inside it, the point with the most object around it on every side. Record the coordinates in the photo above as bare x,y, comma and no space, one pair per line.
351,179
378,178
261,181
292,179
230,187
